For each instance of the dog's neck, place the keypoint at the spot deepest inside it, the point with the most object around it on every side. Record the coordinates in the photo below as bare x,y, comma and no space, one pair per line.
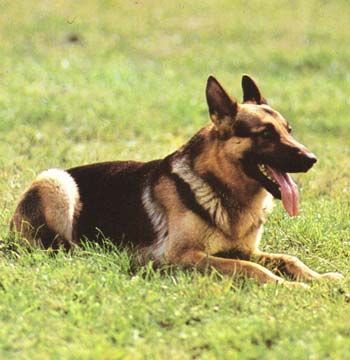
220,186
206,158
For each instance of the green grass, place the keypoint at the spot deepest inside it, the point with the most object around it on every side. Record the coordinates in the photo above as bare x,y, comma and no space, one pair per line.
132,87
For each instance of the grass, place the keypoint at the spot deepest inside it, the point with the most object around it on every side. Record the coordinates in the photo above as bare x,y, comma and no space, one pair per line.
132,87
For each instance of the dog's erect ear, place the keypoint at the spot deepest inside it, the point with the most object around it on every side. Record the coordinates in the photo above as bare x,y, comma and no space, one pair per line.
222,108
251,92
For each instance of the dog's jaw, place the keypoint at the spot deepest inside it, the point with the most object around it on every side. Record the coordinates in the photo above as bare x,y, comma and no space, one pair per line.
279,184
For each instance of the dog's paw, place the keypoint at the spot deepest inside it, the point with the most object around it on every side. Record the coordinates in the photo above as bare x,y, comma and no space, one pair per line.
335,276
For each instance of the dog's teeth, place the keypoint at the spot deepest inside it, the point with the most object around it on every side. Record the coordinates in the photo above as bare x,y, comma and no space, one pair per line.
265,173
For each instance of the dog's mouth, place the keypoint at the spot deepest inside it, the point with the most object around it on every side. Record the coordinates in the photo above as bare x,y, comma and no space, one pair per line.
280,185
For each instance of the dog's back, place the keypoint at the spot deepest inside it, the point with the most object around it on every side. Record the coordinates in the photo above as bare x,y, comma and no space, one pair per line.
94,201
111,197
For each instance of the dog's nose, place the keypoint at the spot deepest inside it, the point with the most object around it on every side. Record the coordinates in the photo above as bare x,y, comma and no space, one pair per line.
312,158
309,158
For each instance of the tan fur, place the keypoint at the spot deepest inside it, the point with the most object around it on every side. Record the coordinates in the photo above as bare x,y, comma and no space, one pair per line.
159,222
292,266
191,242
59,202
246,230
204,194
60,199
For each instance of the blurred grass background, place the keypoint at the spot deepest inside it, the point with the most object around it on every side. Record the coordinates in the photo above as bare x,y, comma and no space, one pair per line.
105,80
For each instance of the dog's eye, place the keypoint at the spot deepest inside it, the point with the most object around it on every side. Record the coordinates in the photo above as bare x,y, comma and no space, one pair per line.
267,134
289,129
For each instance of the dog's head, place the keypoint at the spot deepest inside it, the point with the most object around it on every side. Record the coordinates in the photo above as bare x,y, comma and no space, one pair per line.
260,139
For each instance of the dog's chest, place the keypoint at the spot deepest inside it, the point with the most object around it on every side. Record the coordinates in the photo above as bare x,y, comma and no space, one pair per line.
246,228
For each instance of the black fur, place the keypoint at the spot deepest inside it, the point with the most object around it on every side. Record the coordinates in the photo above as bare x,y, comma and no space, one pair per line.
187,197
111,198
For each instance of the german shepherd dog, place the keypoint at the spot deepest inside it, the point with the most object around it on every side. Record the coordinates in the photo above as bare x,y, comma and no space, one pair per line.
202,206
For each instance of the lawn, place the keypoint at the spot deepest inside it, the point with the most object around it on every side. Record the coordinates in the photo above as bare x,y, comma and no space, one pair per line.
91,81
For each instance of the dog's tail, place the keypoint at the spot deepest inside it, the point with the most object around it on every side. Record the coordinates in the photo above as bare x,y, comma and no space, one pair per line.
46,213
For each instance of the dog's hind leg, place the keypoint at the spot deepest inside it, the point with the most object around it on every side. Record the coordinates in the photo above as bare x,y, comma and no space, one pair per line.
292,267
47,211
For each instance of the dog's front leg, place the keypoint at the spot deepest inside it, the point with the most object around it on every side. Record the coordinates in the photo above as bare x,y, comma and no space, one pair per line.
292,267
203,261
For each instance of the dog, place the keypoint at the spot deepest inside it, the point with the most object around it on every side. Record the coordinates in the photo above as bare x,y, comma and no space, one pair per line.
202,206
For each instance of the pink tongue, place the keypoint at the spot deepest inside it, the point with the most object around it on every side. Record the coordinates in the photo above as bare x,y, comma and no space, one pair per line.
289,191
